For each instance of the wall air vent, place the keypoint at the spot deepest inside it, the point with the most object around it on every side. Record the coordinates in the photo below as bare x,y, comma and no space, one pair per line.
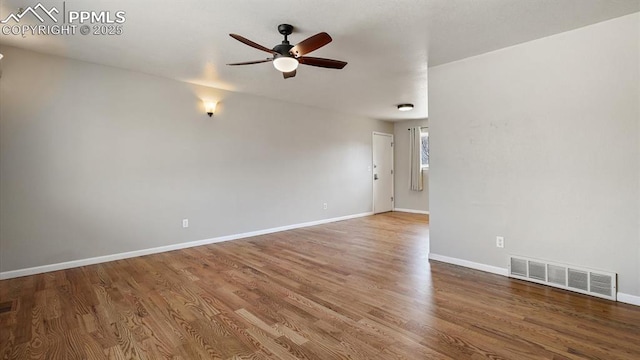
557,275
537,270
578,279
600,284
518,266
583,280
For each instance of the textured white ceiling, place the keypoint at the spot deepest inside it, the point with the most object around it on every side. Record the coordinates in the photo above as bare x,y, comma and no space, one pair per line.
388,44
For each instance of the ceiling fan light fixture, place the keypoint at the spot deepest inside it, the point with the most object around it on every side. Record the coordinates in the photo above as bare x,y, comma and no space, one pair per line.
405,107
287,57
285,64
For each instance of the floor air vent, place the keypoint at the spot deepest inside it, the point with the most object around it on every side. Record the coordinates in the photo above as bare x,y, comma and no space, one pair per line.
586,281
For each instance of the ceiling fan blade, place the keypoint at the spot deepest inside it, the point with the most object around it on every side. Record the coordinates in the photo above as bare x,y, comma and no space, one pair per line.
308,45
289,74
252,44
251,62
320,62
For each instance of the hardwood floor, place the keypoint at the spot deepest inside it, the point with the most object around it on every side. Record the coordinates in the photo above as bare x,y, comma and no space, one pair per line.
357,289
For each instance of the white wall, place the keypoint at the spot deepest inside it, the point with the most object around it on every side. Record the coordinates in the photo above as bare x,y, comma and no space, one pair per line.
404,197
96,160
539,143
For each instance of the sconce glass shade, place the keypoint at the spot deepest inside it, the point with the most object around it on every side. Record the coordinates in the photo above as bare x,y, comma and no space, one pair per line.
285,63
210,107
1,56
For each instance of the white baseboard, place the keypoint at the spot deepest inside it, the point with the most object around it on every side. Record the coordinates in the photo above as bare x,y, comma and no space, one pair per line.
411,211
469,264
629,299
160,249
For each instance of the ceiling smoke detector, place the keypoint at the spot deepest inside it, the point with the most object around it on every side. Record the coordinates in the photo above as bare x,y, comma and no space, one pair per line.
405,107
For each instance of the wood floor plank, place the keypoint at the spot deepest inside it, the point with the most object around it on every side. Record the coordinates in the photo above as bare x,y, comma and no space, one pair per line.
356,289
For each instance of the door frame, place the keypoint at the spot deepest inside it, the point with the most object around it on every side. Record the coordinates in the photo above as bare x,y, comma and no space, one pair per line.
393,176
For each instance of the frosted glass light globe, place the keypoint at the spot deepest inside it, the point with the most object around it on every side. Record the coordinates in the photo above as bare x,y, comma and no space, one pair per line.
285,64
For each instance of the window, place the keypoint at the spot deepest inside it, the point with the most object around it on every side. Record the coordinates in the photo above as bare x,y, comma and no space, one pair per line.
424,159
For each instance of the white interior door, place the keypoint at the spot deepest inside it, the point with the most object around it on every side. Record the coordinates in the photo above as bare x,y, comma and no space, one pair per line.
382,173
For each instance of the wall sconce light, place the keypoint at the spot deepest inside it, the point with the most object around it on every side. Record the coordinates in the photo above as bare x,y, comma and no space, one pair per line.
210,106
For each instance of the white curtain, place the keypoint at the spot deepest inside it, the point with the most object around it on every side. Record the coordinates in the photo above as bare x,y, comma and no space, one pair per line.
415,153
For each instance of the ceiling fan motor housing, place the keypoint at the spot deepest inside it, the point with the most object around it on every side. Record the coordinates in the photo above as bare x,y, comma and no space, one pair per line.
282,49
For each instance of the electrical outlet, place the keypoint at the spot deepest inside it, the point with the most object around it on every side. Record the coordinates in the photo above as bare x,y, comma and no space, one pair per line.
324,206
500,241
185,223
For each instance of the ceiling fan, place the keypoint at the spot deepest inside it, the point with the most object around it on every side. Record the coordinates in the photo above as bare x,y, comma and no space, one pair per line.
286,57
